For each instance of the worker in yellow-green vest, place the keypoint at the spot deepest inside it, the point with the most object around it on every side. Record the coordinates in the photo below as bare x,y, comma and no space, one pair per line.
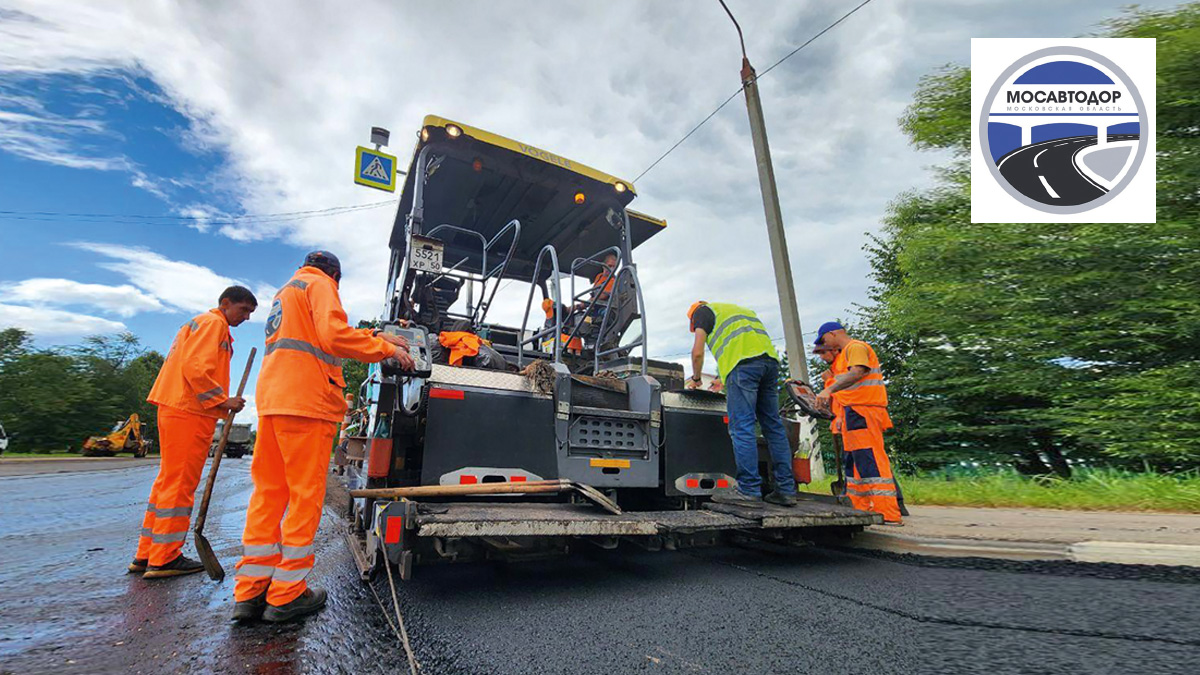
747,362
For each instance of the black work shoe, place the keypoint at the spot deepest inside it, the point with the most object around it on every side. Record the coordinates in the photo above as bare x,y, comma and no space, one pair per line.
177,567
138,566
778,498
736,497
250,610
309,602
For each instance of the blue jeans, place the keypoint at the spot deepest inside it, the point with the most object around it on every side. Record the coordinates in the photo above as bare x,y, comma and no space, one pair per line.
750,393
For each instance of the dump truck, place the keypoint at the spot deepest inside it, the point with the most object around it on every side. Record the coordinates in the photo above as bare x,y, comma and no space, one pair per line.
560,429
239,443
126,436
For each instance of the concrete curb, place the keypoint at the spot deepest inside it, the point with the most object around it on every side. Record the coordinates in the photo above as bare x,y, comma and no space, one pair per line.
1116,552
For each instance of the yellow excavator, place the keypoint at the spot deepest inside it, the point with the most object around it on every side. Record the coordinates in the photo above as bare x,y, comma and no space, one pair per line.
126,436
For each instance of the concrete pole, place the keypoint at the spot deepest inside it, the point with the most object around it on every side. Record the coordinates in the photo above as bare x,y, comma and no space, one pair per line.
788,311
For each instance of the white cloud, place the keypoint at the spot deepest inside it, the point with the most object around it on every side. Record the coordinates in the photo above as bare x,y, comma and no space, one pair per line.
55,323
287,90
176,284
123,300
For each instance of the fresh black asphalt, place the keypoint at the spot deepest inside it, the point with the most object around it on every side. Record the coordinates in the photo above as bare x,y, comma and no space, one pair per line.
1046,171
68,607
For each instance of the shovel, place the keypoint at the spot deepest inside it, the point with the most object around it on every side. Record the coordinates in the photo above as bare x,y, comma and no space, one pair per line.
211,565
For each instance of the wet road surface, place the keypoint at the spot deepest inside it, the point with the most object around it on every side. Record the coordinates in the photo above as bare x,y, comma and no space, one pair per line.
67,607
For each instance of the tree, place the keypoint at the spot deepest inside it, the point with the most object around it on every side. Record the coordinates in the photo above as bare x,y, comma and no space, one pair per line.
1033,344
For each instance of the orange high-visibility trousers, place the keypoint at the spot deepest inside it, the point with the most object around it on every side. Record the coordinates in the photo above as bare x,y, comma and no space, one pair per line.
869,480
183,440
291,458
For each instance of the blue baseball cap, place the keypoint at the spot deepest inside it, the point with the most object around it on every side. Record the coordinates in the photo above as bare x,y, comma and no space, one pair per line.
827,327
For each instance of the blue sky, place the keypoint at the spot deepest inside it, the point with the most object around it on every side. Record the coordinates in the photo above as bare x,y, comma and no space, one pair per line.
198,109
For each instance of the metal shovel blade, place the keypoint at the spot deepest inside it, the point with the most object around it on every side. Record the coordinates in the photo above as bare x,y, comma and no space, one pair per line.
212,566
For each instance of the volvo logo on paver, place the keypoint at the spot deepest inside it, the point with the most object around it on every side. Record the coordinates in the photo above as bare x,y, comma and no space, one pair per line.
1061,130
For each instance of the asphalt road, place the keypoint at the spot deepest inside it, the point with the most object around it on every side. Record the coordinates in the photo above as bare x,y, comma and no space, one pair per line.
1046,171
67,606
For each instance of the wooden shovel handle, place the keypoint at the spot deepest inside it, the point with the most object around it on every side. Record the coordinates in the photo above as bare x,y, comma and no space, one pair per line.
530,487
216,463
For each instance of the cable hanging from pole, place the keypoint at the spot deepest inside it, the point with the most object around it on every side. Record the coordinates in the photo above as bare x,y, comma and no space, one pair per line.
758,77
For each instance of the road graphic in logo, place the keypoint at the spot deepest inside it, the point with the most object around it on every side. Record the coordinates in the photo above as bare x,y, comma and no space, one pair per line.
1061,130
275,318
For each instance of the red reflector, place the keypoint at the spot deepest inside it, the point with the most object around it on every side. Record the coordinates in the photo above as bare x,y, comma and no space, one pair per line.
395,524
467,480
517,479
725,419
722,483
693,482
449,394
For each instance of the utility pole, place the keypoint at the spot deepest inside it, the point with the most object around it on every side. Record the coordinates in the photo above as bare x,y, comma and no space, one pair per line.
788,310
789,313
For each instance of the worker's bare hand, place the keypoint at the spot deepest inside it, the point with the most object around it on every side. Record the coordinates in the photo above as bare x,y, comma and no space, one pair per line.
716,385
394,339
234,403
825,398
406,360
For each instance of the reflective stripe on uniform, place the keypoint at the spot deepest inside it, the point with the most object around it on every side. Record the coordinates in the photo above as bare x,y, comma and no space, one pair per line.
259,549
290,575
211,393
256,571
147,532
168,537
718,350
302,346
296,552
173,513
874,493
192,324
297,283
225,346
876,480
716,334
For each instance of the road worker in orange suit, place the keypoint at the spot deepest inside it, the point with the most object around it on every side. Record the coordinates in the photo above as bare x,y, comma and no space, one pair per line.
192,393
858,389
300,401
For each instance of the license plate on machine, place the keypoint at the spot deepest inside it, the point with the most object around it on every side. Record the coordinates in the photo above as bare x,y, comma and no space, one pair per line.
425,255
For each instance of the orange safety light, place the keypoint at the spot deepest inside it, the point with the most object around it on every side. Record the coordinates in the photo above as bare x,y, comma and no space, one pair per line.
477,165
580,198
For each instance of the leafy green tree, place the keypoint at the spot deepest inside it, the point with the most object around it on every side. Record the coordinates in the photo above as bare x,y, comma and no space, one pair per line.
1035,344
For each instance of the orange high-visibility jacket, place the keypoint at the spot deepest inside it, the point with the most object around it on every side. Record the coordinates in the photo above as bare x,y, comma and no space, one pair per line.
461,345
195,376
307,338
870,390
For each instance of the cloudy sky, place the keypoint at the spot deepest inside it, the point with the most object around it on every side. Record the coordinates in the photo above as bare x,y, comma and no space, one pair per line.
174,130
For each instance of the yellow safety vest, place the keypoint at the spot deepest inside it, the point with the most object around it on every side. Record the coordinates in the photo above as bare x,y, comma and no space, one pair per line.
737,335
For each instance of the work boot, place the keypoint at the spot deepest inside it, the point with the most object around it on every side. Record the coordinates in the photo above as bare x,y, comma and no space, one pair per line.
309,602
737,498
778,498
250,610
138,566
177,567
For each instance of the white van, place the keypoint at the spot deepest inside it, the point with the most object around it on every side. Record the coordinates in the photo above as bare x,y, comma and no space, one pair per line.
3,439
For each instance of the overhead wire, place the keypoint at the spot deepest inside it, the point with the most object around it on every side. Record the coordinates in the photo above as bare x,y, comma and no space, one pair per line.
241,219
757,77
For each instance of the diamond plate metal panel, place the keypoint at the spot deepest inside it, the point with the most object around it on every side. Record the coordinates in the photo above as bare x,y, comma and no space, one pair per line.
487,379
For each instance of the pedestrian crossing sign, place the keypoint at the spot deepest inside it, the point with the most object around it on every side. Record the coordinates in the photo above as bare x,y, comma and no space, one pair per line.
375,169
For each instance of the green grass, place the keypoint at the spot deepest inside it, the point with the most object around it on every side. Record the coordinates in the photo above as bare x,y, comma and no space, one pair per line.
1090,490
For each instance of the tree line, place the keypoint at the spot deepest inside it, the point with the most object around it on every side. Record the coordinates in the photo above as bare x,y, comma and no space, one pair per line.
1045,345
53,399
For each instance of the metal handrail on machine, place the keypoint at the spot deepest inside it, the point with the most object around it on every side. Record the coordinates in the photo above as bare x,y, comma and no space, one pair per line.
556,295
476,315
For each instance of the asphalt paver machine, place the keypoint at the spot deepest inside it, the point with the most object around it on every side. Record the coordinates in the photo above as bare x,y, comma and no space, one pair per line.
556,430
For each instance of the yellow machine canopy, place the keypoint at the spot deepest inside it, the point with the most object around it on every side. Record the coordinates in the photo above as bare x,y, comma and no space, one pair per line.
480,182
